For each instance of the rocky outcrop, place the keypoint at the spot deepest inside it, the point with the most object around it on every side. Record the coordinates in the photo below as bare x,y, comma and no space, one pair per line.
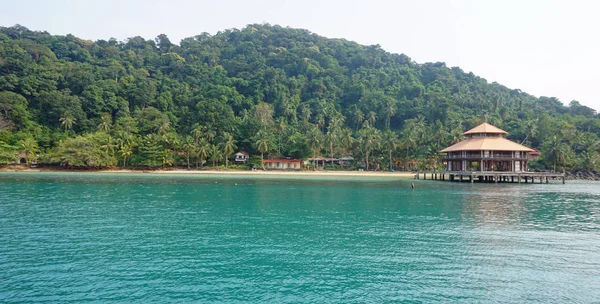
583,175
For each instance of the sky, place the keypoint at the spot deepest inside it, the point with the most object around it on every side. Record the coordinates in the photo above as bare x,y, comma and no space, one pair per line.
542,47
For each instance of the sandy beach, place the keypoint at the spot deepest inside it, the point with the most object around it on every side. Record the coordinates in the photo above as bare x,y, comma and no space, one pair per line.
228,172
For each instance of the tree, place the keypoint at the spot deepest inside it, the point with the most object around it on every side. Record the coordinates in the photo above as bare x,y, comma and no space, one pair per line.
203,149
369,138
215,154
315,142
189,148
263,145
67,121
390,141
29,147
105,123
556,150
347,140
229,146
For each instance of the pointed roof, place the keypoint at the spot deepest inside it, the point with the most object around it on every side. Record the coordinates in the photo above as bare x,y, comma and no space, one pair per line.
485,128
487,143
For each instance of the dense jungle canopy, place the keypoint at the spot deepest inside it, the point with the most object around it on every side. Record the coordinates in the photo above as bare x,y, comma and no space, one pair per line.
269,90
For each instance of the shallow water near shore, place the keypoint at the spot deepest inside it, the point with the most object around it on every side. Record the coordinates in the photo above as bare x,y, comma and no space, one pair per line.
97,237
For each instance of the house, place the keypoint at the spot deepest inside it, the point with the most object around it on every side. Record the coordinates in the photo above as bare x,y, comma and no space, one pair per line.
346,161
241,157
283,164
486,149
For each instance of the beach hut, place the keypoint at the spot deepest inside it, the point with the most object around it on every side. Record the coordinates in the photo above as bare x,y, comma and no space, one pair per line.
241,157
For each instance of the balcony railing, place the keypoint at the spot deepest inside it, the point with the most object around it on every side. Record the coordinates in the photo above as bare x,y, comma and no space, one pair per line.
487,157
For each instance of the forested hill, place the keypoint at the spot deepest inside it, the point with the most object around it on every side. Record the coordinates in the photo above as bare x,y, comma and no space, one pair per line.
279,91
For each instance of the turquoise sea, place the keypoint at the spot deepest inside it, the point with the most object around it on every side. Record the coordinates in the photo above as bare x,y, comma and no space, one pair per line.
145,238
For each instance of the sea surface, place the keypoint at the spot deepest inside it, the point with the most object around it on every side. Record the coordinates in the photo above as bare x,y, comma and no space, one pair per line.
146,238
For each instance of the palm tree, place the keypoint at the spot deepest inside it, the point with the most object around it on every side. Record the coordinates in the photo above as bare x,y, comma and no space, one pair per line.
105,123
315,142
372,118
202,151
369,137
306,112
390,140
29,147
67,121
332,137
126,151
188,148
557,150
228,147
197,132
263,145
389,110
357,116
215,154
347,140
109,146
281,127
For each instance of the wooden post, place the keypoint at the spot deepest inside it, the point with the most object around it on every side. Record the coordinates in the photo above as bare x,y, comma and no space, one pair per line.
496,178
512,179
471,177
519,178
546,179
563,178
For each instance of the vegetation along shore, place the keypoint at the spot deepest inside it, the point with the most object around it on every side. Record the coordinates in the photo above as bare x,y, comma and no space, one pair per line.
275,97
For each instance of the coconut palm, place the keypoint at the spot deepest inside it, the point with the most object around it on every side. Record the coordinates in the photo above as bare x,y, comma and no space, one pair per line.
197,132
390,141
188,148
558,151
105,123
332,137
126,151
29,147
281,128
215,154
228,147
369,138
202,151
263,145
67,121
347,140
315,142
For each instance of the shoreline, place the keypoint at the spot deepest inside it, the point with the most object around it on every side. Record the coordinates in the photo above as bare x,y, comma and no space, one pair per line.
224,172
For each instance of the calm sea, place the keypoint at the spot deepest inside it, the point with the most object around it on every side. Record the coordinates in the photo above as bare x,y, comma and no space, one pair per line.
159,239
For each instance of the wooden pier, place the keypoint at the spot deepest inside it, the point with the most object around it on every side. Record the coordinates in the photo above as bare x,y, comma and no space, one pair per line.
491,176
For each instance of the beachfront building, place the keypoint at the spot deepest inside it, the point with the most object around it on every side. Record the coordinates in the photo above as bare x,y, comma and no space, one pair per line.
241,157
283,164
486,149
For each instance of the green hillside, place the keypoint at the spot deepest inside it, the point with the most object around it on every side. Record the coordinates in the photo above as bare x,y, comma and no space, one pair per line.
264,89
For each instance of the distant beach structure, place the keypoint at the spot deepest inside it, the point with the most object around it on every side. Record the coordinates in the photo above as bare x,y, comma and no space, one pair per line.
485,155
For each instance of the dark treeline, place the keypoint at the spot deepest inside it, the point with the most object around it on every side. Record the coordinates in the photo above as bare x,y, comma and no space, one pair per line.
269,90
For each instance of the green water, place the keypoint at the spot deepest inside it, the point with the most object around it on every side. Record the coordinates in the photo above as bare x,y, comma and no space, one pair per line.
159,238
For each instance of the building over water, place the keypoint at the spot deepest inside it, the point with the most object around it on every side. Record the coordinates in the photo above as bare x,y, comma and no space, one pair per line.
486,149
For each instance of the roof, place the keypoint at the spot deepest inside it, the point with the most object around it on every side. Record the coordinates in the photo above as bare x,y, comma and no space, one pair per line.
282,160
242,152
487,143
485,128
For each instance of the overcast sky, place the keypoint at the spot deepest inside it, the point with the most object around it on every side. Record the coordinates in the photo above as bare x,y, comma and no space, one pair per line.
543,47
